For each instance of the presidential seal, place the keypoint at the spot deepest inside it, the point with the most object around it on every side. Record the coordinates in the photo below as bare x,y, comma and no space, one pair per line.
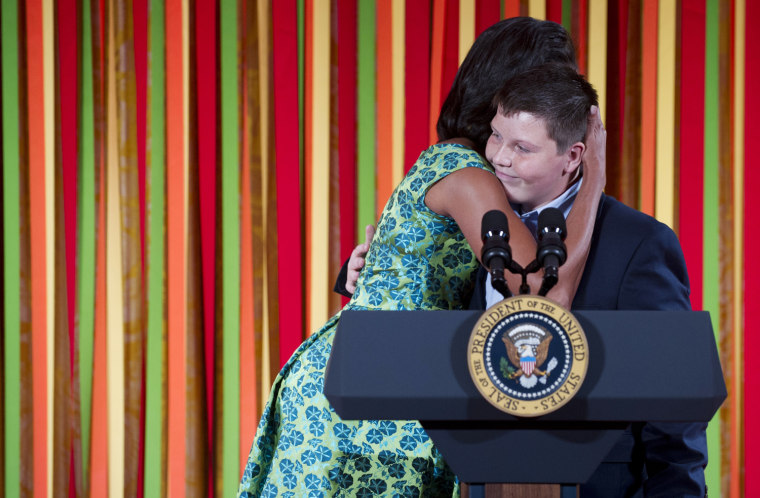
527,355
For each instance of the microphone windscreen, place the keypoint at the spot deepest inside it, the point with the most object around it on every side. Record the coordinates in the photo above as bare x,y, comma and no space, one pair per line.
494,221
552,219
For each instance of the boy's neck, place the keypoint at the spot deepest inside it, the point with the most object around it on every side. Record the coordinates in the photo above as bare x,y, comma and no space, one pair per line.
557,200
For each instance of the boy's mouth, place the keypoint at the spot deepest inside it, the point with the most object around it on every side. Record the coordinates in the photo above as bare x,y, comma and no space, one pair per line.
505,177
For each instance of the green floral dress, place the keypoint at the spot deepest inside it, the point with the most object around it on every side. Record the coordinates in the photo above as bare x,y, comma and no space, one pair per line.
417,260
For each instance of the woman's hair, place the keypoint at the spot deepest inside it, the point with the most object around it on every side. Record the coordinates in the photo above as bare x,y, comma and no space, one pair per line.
499,53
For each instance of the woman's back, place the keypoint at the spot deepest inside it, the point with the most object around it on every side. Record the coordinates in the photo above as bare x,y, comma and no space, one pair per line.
419,259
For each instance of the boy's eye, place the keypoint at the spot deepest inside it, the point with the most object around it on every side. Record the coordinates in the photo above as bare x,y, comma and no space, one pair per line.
520,148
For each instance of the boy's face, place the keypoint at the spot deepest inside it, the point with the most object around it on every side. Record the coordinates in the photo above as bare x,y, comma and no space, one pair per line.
526,160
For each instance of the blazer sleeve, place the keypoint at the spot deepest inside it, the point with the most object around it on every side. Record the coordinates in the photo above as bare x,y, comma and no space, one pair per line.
340,282
675,453
478,297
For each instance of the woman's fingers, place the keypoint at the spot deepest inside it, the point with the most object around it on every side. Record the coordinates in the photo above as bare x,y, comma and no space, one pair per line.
356,261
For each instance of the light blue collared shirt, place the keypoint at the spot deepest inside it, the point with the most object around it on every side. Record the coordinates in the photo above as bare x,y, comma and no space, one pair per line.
564,203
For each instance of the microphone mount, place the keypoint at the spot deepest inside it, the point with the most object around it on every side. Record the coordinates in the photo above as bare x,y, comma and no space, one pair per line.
496,254
551,252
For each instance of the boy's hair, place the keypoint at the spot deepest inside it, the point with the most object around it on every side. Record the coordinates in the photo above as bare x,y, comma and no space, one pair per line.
503,50
555,93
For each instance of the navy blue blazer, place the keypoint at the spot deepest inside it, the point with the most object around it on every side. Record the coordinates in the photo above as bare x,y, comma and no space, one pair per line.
636,263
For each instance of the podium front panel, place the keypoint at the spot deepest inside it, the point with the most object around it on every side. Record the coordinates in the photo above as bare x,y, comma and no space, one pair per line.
643,366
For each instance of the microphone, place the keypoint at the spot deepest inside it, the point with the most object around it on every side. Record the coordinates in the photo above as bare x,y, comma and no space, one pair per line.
551,252
496,254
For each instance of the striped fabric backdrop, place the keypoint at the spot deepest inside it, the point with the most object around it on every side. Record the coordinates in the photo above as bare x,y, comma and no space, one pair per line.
181,181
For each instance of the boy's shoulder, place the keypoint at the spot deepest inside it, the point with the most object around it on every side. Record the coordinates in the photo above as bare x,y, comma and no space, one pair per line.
627,222
610,206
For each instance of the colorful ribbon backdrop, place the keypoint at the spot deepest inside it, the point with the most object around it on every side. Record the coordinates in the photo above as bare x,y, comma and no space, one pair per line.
182,180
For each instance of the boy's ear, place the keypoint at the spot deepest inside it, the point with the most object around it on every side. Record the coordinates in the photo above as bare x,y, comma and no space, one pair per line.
575,157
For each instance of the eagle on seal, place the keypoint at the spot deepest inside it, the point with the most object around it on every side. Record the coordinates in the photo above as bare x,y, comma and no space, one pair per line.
526,356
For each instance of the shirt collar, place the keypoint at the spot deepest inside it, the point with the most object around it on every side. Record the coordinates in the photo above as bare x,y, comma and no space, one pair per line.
564,203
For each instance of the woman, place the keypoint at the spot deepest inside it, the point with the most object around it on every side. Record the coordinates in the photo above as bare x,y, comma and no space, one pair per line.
423,257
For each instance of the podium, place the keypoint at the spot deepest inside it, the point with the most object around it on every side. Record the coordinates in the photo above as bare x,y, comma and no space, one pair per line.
656,366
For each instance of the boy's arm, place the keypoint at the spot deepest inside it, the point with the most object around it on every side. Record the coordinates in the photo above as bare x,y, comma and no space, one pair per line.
675,454
675,457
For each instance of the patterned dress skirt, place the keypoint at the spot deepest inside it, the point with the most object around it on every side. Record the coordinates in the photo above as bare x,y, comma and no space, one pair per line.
303,448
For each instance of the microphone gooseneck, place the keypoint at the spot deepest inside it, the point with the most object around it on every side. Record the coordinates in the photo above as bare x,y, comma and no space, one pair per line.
551,252
496,254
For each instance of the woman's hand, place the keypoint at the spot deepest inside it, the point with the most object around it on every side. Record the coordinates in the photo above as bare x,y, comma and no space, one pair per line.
356,261
594,158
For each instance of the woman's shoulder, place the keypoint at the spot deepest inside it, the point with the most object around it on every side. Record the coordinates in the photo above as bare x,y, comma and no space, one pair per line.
438,162
451,155
462,146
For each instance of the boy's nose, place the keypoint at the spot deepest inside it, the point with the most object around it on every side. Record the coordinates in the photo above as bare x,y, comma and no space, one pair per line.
503,158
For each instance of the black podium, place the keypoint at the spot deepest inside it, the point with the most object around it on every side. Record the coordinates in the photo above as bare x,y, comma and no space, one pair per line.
411,365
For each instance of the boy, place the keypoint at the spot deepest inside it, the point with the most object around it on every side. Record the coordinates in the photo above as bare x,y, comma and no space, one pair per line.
634,262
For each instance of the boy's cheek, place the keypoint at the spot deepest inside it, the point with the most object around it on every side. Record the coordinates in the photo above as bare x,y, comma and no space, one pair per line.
515,195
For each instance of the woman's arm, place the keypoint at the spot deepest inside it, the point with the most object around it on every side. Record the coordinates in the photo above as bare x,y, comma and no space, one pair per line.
466,195
476,194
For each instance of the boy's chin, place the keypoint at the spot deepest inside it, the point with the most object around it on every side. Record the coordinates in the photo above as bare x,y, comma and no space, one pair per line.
516,199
